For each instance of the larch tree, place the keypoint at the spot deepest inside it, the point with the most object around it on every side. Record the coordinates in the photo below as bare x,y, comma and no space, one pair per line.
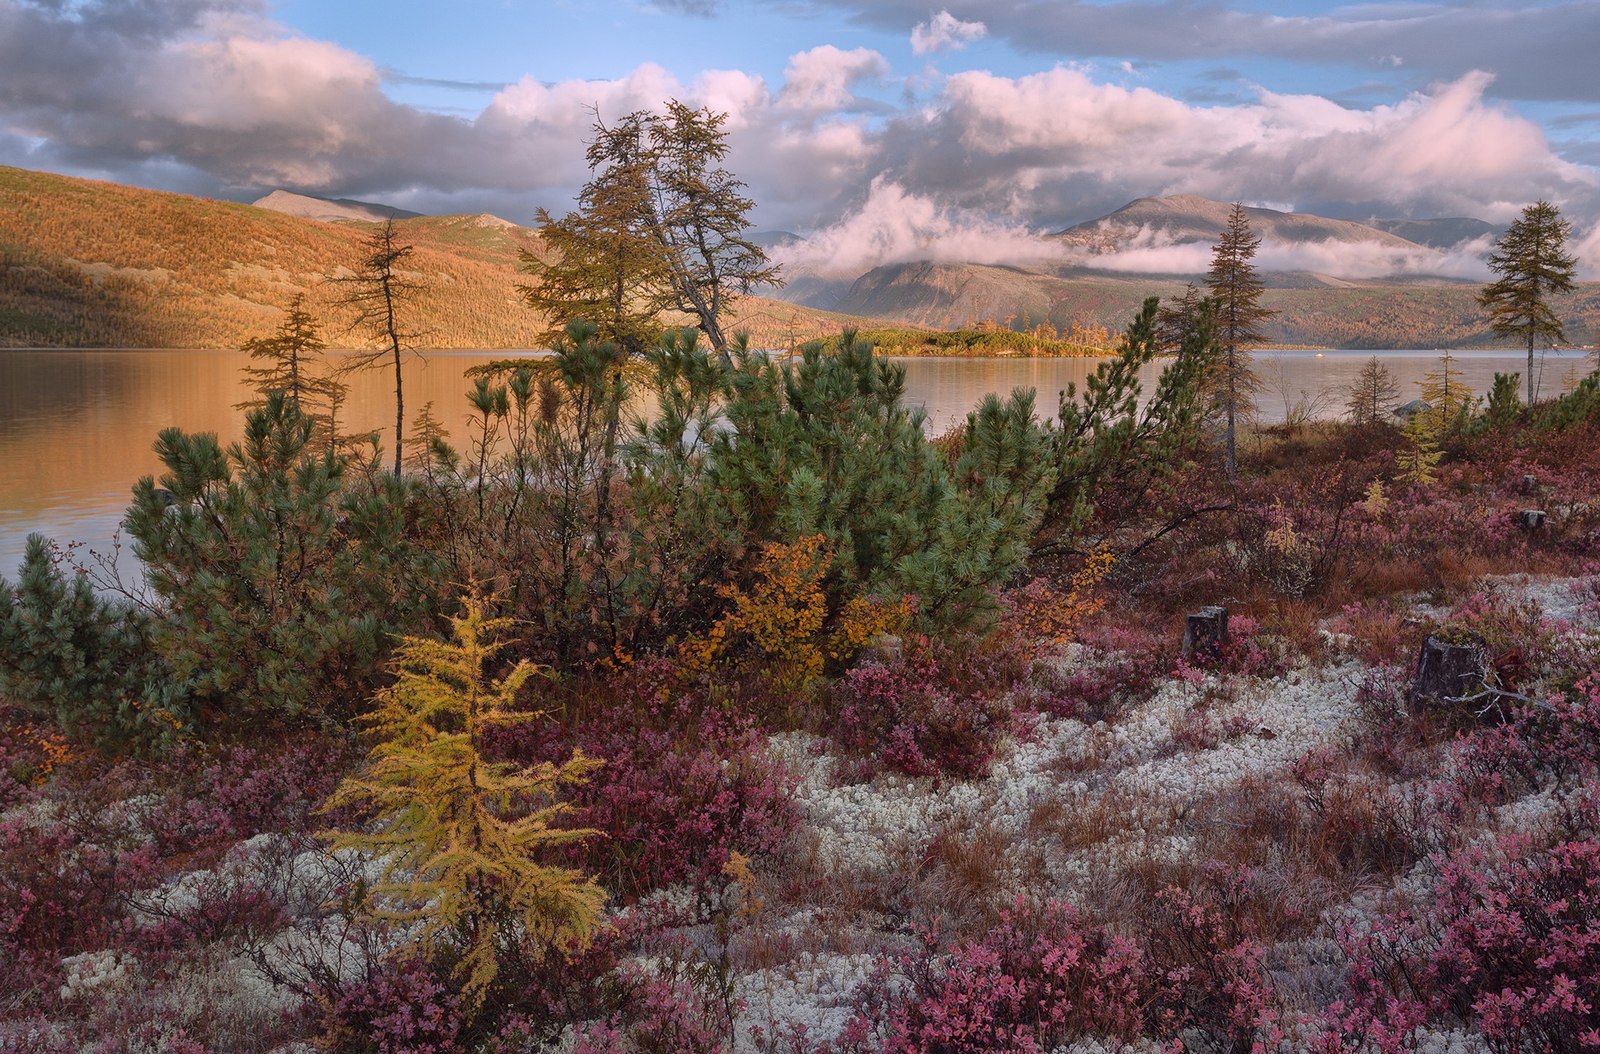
462,836
1176,317
1373,395
701,214
1447,396
1236,289
659,226
1533,266
378,290
602,263
289,360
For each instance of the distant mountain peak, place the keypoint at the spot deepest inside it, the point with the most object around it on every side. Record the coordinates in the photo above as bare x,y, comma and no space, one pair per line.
1186,218
310,207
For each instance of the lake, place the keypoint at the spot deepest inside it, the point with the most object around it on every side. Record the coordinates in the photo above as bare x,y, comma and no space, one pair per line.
76,427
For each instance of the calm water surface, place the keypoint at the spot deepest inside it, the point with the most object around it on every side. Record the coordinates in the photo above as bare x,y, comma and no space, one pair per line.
76,427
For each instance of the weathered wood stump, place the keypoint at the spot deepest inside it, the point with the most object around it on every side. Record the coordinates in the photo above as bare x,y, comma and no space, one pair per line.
1449,669
1531,519
1206,631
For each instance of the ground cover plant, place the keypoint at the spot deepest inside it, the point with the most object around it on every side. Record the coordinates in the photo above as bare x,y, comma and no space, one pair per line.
764,722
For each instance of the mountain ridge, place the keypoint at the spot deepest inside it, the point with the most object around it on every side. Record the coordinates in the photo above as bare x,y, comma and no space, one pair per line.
87,263
311,207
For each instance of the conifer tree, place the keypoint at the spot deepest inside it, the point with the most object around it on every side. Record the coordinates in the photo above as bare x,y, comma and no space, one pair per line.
1176,317
290,357
1110,441
1373,395
379,290
1237,290
602,263
1447,396
1533,266
462,836
1504,405
658,226
278,585
702,214
1416,461
82,660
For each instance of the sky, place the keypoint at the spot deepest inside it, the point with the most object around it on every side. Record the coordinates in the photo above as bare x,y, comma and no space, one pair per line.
878,130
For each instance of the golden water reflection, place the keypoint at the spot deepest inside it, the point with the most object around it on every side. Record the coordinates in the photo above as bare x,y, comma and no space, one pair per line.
77,427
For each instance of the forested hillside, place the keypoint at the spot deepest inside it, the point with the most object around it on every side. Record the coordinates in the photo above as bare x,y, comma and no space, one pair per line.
1310,309
91,264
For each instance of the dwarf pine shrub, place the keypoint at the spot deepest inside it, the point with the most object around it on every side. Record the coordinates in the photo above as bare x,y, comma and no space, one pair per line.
279,579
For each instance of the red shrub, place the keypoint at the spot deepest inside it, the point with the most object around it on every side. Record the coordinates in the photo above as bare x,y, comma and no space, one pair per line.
1510,945
683,784
934,711
403,1007
1038,979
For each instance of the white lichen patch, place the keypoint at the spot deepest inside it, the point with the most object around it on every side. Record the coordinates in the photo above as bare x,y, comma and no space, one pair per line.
814,993
91,972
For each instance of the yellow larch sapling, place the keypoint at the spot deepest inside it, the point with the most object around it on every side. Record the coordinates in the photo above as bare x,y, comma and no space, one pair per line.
461,836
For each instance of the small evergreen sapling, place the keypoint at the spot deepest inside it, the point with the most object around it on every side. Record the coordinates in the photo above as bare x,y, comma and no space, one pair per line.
461,835
82,660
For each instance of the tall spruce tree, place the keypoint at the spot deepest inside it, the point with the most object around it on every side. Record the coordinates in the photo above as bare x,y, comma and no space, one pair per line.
1532,266
1236,289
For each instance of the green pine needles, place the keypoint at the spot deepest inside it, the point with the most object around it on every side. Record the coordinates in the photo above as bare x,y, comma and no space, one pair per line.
461,836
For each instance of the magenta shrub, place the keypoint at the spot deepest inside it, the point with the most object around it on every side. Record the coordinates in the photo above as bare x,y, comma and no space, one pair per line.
402,1007
64,879
1038,979
663,1015
684,783
1210,977
218,797
1509,946
934,711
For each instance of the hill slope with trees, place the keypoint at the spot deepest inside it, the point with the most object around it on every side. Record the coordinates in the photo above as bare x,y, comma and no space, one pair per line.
91,264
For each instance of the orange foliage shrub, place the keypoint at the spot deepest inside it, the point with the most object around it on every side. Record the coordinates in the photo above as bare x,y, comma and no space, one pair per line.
779,625
1051,614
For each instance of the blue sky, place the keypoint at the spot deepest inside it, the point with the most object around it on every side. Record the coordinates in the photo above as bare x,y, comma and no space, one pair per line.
880,128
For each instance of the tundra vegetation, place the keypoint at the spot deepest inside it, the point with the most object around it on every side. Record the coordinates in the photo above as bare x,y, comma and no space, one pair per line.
704,704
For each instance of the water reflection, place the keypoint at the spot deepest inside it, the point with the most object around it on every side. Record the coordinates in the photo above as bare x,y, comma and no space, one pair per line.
77,427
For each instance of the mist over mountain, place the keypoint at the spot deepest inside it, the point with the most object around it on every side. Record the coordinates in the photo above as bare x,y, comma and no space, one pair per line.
1186,218
1333,282
1444,233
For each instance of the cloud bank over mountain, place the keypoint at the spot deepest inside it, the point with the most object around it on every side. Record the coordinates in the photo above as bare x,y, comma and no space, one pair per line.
214,96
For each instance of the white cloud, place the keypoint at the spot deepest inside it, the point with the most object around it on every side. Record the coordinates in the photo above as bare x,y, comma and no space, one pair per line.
208,93
893,226
1586,249
821,79
945,32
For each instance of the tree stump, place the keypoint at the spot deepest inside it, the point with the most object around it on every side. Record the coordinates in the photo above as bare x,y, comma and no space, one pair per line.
1449,669
1531,519
1206,631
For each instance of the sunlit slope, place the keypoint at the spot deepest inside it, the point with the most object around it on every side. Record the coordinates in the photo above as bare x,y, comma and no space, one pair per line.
91,264
1312,309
